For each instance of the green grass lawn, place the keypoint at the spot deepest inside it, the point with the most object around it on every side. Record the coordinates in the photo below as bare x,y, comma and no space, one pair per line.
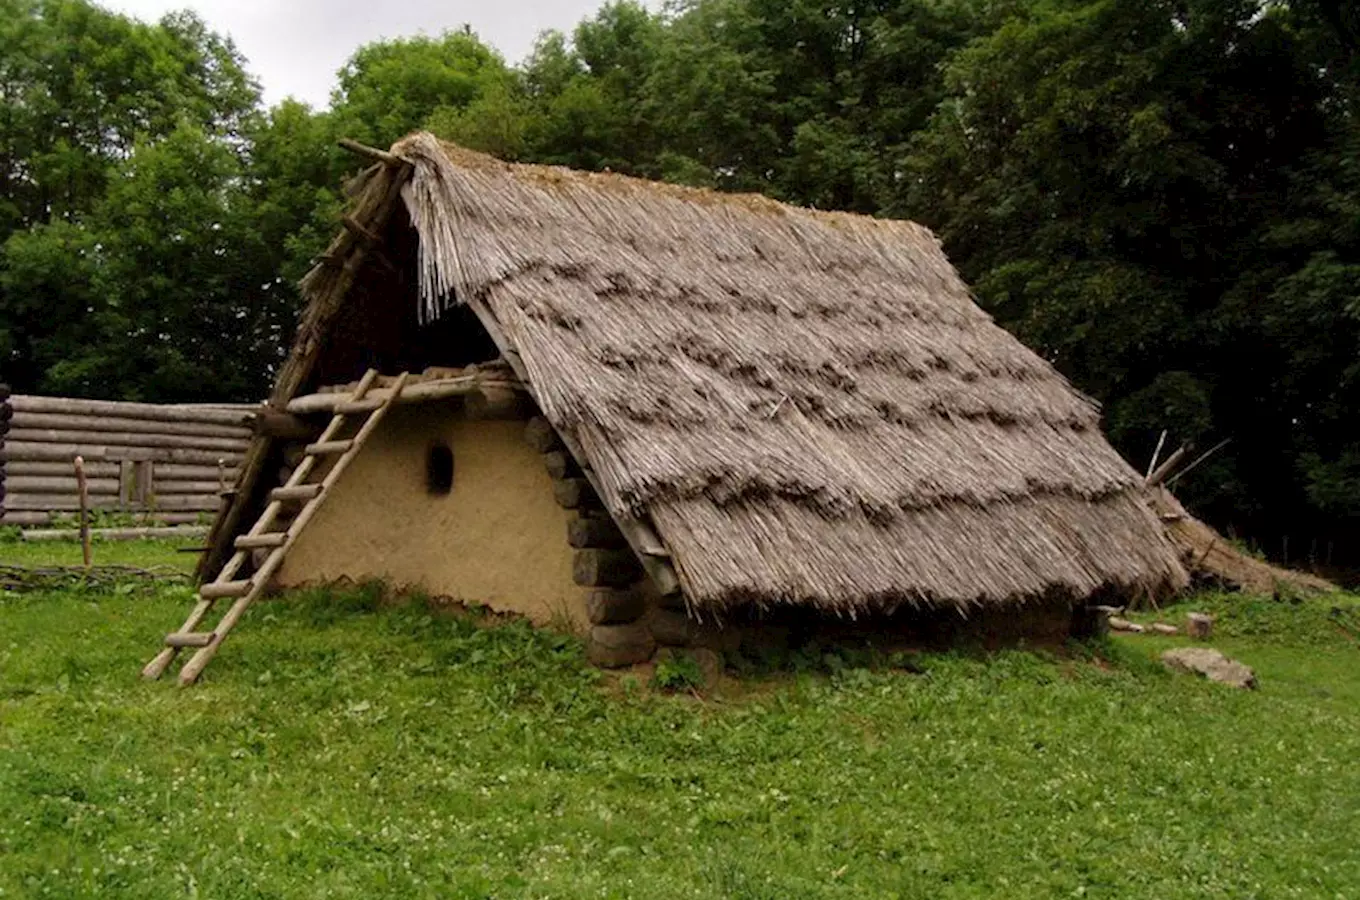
144,554
342,747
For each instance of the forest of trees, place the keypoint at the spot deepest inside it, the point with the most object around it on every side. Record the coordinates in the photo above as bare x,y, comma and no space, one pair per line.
1160,196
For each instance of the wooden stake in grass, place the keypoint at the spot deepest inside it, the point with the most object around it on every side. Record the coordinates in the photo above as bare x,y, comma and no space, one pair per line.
83,489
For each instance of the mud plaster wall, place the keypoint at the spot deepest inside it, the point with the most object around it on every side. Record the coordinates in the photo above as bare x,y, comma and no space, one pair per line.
498,538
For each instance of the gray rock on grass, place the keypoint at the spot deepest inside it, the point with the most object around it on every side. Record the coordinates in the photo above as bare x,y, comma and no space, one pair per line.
1210,663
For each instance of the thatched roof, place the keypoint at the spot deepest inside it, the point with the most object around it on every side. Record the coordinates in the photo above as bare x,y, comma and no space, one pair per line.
1213,559
808,406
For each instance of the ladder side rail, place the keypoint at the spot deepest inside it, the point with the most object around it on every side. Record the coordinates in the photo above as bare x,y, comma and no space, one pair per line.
195,666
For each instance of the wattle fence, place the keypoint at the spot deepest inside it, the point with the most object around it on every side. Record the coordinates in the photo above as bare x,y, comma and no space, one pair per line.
147,462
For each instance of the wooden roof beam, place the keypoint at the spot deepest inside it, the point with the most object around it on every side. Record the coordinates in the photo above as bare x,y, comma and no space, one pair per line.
372,153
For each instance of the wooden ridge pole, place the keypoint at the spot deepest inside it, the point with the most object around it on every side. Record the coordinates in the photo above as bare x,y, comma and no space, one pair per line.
372,153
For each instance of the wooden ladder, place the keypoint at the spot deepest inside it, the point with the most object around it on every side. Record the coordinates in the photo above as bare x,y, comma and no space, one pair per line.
298,490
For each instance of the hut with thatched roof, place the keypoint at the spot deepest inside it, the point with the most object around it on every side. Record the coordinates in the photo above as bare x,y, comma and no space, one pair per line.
652,412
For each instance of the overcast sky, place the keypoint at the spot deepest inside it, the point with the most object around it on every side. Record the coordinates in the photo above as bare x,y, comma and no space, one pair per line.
295,47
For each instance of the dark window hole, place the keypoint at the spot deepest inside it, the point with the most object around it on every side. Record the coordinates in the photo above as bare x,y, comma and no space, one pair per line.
439,469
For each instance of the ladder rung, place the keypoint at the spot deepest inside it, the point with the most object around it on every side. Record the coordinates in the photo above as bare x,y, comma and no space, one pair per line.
219,590
294,494
189,639
206,644
349,407
261,541
329,448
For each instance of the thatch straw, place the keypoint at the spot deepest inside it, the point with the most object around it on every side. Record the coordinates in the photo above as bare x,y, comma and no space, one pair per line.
808,405
1213,558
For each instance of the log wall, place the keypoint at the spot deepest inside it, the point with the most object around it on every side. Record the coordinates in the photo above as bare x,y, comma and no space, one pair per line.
6,412
168,464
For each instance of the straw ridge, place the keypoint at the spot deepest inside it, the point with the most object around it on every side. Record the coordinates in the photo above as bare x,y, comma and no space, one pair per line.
808,405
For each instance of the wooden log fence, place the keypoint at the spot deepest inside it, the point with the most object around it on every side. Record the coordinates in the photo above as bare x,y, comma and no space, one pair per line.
71,503
166,464
24,484
21,433
119,424
244,417
164,471
6,414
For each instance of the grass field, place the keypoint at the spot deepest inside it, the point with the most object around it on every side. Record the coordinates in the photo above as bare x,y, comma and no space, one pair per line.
341,746
141,554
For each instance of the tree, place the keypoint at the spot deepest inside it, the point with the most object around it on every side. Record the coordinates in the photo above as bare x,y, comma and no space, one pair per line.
1120,183
80,90
588,94
391,88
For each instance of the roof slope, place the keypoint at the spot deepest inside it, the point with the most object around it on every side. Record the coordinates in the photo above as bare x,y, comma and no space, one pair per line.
808,406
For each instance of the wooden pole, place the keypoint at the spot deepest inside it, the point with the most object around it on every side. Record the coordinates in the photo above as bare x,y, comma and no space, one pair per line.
362,234
83,489
65,502
417,393
17,451
60,422
1210,452
116,470
130,439
373,153
1156,454
1166,468
65,406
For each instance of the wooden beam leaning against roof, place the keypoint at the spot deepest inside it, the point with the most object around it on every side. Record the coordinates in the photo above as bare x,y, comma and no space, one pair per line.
643,540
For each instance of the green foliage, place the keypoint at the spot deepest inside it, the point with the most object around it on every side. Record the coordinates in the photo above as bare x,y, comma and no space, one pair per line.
677,672
119,152
344,745
498,122
1159,198
391,88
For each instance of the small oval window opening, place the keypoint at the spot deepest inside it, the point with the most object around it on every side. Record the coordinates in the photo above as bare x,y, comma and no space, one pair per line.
439,469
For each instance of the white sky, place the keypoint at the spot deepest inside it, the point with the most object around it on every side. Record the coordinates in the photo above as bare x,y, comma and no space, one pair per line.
295,47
